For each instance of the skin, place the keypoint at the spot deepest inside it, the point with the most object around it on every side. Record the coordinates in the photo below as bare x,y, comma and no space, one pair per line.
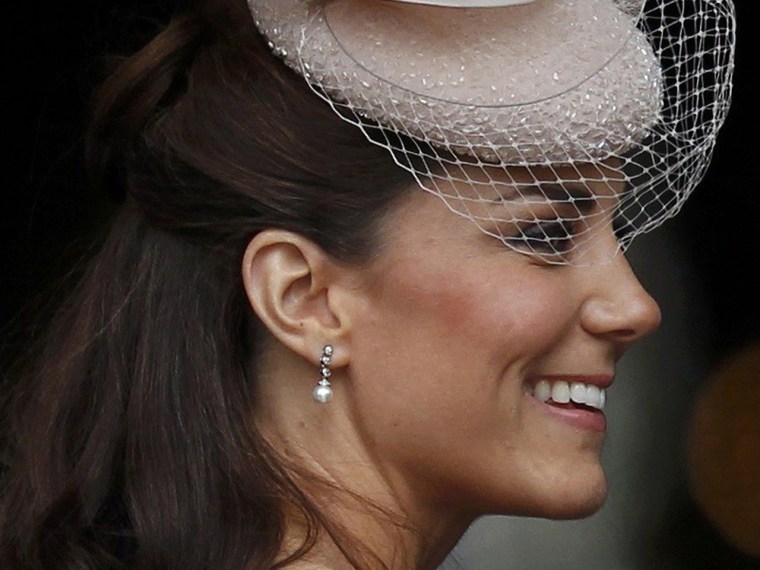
438,341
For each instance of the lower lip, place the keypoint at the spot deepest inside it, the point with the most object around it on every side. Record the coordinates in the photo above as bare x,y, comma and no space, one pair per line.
581,418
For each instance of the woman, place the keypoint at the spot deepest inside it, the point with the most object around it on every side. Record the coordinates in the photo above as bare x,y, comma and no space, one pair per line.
285,354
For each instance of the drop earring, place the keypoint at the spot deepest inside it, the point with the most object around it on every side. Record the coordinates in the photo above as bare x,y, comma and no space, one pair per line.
323,390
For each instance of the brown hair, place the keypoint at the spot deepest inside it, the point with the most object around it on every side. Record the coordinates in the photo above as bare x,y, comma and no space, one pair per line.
129,438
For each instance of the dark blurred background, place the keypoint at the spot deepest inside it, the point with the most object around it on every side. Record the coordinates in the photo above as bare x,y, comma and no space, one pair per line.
55,53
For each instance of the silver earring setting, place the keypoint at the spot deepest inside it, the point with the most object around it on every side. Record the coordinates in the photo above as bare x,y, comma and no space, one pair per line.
323,391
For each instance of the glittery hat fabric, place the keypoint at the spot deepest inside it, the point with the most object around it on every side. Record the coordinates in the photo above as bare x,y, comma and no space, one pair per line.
404,68
506,100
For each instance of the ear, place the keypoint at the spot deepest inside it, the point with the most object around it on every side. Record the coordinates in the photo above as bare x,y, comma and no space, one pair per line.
296,290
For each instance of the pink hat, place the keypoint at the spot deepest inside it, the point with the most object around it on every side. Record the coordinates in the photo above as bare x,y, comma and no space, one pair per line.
642,87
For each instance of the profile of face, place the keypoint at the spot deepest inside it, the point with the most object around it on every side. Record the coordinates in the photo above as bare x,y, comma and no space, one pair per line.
454,331
445,340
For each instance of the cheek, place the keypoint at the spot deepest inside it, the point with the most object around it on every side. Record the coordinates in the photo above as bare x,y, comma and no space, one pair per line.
414,351
495,313
440,361
451,338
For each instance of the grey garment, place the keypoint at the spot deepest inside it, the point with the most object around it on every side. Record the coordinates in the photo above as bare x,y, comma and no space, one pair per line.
644,456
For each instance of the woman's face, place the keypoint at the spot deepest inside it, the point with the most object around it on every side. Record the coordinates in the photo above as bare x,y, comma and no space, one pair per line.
452,334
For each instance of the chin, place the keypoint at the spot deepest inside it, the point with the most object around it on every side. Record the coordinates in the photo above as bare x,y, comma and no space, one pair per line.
582,501
581,509
564,498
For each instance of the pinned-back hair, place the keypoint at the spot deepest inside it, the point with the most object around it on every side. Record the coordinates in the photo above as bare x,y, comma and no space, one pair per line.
130,439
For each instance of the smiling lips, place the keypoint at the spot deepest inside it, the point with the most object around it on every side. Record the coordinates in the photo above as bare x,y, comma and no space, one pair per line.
564,392
575,400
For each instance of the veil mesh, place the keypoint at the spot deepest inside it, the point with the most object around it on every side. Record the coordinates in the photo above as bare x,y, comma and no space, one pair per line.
553,126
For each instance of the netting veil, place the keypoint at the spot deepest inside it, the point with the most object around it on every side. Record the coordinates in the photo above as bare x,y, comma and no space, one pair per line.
545,123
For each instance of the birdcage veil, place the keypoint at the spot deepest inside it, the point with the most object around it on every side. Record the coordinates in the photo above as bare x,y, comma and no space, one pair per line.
543,123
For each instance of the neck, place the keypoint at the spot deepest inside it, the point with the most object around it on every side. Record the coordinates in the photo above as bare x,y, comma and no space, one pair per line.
364,512
355,532
362,516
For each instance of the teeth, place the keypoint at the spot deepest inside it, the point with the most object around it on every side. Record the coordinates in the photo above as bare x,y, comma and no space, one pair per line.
578,393
543,391
594,396
561,392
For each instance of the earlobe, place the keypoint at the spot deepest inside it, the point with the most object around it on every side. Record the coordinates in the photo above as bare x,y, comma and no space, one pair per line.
288,281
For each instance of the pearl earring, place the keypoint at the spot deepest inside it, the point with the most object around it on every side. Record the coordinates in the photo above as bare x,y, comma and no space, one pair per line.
323,390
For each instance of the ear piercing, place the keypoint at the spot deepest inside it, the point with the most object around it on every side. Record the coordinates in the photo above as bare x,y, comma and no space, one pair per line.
323,390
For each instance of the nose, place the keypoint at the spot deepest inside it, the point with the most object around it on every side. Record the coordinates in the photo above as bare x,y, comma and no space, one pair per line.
618,307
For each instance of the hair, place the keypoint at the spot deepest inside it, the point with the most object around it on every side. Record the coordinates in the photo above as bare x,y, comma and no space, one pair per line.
130,440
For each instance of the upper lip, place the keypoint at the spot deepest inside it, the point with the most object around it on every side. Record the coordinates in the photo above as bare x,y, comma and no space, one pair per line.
600,380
